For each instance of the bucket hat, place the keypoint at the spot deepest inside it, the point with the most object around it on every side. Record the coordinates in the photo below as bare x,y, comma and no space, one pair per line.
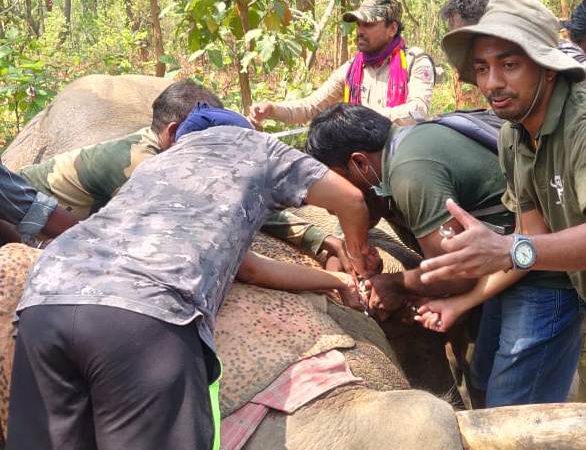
375,11
526,23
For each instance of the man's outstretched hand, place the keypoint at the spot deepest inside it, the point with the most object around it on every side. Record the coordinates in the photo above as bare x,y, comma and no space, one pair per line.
475,252
259,112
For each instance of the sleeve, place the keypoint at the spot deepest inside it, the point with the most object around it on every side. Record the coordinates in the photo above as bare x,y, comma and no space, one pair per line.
422,200
421,83
303,110
290,173
22,205
288,227
507,163
579,173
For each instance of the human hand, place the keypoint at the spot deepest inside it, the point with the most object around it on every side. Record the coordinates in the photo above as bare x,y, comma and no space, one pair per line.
387,294
475,252
259,112
439,315
335,247
350,293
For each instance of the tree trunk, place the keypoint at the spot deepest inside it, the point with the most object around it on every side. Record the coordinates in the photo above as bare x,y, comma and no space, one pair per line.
526,427
344,44
130,15
319,32
30,19
157,39
41,20
67,28
565,10
2,25
67,13
243,77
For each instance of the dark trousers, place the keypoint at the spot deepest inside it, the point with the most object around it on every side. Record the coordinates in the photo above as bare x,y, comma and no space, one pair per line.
90,377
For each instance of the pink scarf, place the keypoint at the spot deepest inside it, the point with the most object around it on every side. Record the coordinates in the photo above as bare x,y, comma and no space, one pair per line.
397,90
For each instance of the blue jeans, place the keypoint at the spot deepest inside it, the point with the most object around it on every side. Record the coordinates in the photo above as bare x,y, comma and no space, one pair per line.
528,345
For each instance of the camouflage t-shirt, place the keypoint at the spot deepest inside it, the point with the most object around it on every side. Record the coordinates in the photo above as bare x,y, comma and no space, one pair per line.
169,244
83,180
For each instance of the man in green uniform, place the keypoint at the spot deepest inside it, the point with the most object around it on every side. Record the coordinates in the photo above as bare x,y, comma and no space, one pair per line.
512,56
408,179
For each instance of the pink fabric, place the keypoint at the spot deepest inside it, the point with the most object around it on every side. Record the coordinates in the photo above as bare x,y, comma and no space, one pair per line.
397,90
298,385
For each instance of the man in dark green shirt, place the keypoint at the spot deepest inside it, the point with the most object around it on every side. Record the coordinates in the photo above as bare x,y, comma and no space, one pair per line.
512,56
408,180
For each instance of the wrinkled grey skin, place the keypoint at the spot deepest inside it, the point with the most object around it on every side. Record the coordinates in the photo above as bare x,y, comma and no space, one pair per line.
347,418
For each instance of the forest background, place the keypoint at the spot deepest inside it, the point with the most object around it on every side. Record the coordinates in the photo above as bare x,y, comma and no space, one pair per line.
244,50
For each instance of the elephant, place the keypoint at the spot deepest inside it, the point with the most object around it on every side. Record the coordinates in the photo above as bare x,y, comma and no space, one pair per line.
384,411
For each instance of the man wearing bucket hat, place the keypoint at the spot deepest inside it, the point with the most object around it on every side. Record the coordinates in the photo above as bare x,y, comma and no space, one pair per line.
383,75
529,342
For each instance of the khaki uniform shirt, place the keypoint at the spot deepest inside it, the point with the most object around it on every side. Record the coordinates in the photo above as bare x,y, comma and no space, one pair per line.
551,172
168,245
374,92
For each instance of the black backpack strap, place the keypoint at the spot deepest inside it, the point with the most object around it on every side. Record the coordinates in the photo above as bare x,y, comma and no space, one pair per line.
489,211
480,125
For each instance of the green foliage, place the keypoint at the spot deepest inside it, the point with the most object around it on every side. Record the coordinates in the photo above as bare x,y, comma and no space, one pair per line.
261,32
216,42
25,87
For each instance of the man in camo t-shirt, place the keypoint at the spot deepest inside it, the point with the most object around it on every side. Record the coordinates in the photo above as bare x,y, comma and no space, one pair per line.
115,344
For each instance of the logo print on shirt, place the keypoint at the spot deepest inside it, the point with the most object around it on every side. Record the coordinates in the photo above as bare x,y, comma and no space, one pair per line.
558,185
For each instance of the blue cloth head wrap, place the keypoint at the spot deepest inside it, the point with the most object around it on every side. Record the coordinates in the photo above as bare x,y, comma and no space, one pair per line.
203,117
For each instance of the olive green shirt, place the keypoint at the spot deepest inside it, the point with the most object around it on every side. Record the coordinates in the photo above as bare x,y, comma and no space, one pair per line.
433,163
551,171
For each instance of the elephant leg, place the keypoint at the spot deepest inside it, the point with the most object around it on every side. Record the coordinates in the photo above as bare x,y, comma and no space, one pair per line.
358,418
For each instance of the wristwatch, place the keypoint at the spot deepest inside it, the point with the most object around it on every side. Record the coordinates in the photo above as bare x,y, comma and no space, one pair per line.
523,253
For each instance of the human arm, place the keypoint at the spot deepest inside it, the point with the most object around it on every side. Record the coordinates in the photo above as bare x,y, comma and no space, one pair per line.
421,84
269,273
440,314
311,239
294,178
479,251
352,214
302,110
296,231
420,204
32,212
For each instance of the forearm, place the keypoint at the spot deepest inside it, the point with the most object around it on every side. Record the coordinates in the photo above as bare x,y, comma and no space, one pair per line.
412,284
561,251
486,288
298,232
336,194
59,221
303,110
265,272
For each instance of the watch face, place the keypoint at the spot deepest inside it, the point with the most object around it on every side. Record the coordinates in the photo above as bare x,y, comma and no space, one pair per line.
524,254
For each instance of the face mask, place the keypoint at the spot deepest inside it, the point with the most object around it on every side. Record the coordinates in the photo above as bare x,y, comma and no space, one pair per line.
378,190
